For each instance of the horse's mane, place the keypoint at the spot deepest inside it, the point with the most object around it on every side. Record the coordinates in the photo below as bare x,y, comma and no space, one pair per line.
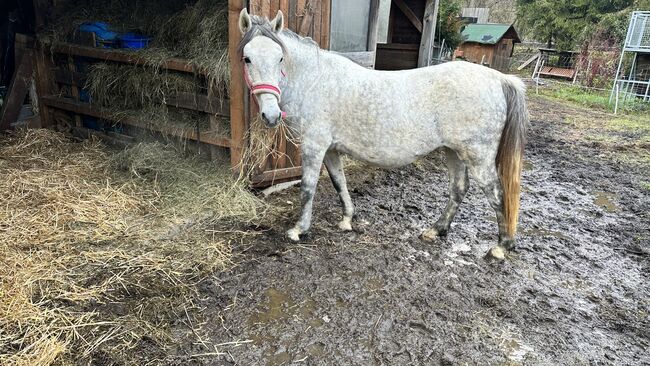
261,26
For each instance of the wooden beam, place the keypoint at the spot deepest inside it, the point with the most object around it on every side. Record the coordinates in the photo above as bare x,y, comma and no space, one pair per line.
196,102
373,26
73,106
18,89
326,15
238,122
270,177
429,33
126,57
203,103
364,58
409,13
45,84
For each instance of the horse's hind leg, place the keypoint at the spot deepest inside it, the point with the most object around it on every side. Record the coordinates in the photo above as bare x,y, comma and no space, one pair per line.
458,186
488,179
335,170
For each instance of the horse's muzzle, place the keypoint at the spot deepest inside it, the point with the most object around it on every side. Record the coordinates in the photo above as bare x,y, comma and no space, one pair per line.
271,121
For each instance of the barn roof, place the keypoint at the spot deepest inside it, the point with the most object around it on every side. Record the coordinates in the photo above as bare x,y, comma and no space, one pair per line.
488,33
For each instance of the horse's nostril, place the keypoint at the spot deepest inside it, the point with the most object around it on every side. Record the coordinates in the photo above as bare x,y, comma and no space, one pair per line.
264,117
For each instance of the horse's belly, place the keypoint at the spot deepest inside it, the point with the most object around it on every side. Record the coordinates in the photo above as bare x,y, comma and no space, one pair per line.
385,157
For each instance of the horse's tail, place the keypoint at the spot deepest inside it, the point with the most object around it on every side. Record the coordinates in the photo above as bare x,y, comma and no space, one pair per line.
509,158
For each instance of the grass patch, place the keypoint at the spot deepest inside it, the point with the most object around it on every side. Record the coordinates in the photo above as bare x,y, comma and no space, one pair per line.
100,254
593,99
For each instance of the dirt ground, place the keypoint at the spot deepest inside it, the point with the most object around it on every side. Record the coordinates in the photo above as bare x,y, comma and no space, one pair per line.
574,292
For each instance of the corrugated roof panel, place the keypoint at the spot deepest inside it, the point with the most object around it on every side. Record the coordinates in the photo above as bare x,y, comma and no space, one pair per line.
484,33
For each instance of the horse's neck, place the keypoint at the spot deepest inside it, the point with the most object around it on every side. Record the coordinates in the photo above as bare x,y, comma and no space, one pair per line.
303,61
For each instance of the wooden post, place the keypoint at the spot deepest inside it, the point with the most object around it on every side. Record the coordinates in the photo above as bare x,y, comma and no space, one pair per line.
373,26
18,89
238,122
428,32
45,85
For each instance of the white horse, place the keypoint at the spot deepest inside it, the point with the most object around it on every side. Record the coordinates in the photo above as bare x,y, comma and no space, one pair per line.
390,119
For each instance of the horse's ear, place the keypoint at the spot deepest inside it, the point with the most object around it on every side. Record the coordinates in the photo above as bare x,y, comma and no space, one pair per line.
277,24
244,21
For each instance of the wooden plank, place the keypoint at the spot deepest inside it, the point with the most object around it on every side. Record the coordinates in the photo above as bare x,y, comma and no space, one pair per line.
196,102
110,138
74,88
284,7
306,17
292,18
316,23
45,84
410,15
275,6
275,176
88,110
529,61
398,46
365,58
266,9
238,122
210,103
66,77
373,25
132,58
326,14
428,33
18,89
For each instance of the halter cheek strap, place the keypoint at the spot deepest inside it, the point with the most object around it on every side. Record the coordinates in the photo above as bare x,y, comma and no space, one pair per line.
261,88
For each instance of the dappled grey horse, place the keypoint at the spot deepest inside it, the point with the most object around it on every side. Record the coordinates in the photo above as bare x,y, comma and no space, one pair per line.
390,119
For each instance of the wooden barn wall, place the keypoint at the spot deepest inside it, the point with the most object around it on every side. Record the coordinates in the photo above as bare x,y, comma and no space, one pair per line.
496,56
475,52
502,53
309,18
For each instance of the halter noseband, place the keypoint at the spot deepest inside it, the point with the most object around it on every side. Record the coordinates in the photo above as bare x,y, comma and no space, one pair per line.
261,88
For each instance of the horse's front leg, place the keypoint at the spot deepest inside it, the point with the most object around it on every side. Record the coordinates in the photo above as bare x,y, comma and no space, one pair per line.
312,159
335,170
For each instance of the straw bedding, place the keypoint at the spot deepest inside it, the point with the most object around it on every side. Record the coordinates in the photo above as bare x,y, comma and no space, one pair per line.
102,250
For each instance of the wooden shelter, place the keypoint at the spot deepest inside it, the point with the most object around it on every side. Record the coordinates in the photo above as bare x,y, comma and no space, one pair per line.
410,39
325,21
556,63
488,44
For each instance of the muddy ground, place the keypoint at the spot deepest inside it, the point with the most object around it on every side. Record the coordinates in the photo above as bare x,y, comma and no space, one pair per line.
574,292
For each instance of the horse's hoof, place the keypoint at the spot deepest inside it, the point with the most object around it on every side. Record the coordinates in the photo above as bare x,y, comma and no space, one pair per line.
346,224
294,235
430,235
497,253
507,244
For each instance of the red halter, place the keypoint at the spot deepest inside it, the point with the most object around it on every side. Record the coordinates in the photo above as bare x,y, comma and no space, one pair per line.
260,88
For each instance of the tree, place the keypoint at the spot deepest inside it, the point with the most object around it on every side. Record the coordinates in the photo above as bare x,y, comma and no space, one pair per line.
450,24
566,24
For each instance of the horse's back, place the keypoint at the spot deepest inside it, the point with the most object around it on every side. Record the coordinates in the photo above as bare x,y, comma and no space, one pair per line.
398,116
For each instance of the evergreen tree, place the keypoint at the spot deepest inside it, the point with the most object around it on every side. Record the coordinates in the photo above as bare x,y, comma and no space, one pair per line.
566,24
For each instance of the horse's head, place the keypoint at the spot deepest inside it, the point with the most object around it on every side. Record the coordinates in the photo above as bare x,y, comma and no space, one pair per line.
262,53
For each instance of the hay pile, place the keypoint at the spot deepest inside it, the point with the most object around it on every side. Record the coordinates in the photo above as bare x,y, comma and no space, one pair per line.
196,30
101,254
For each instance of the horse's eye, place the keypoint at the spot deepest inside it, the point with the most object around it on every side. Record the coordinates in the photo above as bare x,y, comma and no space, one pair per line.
282,59
247,60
